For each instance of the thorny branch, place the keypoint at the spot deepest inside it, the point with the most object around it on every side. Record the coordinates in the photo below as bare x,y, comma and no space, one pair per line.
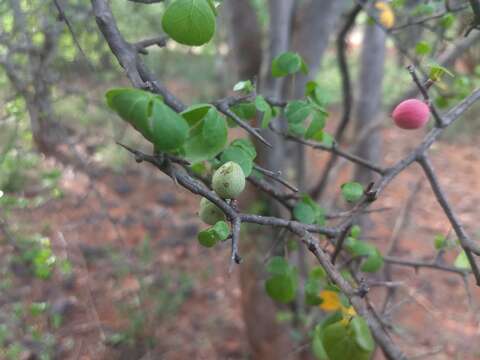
141,77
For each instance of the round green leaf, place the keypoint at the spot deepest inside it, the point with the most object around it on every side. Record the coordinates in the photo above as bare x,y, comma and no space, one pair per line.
207,136
281,288
239,156
189,22
339,342
304,213
352,191
373,263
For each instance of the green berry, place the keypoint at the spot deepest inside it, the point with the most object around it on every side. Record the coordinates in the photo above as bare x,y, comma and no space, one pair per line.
210,213
229,180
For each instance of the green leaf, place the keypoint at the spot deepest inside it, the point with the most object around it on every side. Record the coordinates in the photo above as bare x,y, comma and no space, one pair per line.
352,191
189,22
440,242
221,230
314,93
315,130
281,288
437,71
288,63
312,292
362,334
239,156
317,272
244,86
461,261
297,111
209,237
168,129
373,263
447,21
304,213
339,342
207,136
246,145
263,106
317,345
355,231
422,48
308,211
246,111
133,106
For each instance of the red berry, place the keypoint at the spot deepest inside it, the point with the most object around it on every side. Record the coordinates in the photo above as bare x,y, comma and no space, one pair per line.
411,114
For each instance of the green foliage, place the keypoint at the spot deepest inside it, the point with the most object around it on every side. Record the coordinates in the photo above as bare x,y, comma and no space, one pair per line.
423,48
208,132
242,152
461,261
147,113
244,86
352,191
373,259
316,280
282,284
214,234
338,339
190,22
308,211
287,64
264,107
298,112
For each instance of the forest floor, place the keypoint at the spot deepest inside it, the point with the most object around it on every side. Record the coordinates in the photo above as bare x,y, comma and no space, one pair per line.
141,281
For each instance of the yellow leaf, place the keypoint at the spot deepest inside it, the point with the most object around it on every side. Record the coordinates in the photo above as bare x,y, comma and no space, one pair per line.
348,314
330,300
386,15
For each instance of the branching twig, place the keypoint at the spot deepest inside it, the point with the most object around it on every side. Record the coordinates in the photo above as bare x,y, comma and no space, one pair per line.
424,91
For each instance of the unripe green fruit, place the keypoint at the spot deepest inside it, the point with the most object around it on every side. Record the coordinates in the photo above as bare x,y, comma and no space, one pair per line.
229,180
210,213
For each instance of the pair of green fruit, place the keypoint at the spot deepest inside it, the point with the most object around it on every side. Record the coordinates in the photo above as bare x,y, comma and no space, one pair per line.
228,182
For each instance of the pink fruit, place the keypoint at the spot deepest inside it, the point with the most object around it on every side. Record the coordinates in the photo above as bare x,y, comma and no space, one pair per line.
411,114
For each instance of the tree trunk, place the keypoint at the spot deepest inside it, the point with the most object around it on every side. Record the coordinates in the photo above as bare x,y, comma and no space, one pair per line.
370,99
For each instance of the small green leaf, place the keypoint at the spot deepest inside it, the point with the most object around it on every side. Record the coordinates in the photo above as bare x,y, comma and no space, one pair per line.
440,242
312,292
447,20
461,261
355,231
189,22
263,106
288,63
373,263
297,111
246,145
423,48
362,334
281,288
352,191
244,86
437,71
304,213
246,111
340,343
239,156
218,232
